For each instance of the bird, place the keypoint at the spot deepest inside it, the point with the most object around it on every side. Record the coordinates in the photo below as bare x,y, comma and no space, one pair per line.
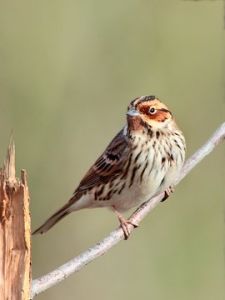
142,160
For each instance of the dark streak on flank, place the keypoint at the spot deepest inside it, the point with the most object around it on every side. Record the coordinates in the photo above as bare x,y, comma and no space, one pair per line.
108,196
147,155
162,181
100,192
142,173
136,158
117,184
133,175
111,184
122,187
127,168
182,156
177,144
157,134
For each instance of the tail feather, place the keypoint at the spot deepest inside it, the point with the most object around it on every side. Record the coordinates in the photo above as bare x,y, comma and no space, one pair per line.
50,222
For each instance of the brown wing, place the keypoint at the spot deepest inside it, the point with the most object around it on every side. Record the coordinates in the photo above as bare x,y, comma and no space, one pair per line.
108,165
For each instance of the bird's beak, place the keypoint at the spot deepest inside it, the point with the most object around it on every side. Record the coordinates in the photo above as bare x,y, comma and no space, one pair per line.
132,112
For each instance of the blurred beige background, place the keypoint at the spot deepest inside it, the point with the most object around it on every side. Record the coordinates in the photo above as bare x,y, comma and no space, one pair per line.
68,71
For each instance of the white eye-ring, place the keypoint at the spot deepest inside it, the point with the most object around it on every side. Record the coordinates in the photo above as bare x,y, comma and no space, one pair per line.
152,110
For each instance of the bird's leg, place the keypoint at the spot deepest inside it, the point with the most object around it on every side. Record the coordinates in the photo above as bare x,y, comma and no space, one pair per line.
168,191
124,224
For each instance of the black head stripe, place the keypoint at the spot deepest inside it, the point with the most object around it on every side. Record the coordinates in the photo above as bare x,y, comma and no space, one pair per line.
133,101
148,98
141,99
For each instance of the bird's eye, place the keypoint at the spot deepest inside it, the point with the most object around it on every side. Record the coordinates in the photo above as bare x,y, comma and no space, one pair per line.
152,110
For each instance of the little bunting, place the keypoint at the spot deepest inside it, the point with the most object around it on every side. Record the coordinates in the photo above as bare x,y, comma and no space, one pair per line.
143,160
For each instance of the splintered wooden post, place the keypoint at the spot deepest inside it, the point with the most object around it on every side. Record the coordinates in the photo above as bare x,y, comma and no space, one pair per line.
15,253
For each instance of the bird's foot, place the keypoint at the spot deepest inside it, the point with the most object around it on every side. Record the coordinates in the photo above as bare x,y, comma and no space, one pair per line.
124,223
168,192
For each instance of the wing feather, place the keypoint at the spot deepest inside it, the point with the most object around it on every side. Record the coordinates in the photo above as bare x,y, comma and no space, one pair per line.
108,165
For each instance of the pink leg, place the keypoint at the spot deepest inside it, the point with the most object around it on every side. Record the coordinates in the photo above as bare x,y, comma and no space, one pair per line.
124,223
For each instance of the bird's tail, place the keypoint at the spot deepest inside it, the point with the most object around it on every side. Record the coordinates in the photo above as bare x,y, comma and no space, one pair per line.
55,218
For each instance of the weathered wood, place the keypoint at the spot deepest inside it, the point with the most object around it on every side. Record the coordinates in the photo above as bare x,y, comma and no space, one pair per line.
15,246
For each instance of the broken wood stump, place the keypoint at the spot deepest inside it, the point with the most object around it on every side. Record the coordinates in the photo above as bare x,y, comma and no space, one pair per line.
15,242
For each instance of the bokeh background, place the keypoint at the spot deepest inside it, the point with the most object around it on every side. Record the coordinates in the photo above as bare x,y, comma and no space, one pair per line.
68,71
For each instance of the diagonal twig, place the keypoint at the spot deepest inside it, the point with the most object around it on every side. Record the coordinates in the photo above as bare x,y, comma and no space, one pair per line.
74,265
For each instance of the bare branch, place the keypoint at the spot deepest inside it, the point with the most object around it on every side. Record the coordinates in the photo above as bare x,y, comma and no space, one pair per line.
74,265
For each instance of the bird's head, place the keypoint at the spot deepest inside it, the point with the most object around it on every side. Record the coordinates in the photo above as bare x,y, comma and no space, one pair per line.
148,111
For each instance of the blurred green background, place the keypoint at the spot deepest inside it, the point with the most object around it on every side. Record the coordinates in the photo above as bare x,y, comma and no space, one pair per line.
68,72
